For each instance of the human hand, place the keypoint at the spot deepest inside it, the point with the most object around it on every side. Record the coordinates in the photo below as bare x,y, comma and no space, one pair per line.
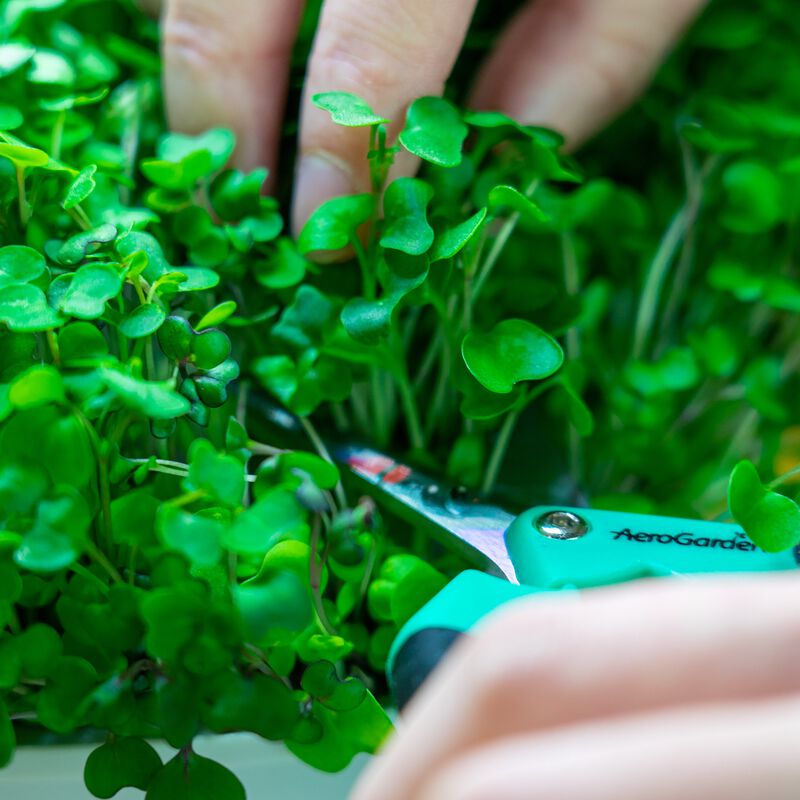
658,690
567,64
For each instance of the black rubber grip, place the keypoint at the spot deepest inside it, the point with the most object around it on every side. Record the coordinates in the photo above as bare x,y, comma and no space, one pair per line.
417,658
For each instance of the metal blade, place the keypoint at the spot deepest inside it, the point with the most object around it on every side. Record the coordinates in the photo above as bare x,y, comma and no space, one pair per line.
478,531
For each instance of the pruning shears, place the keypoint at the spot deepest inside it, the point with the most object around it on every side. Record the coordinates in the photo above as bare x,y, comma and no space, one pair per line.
544,549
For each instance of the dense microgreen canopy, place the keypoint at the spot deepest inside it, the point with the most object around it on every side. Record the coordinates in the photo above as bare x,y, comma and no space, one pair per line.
179,554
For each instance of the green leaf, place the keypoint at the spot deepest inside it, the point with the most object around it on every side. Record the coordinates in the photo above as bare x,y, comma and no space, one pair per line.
119,763
236,194
13,55
369,321
195,536
278,375
175,338
210,348
10,117
88,290
81,340
307,321
183,160
39,646
347,109
333,225
276,515
578,413
59,703
285,267
83,185
217,315
133,517
50,67
493,120
675,371
77,247
142,321
259,704
405,204
273,600
217,142
770,519
513,351
19,264
219,476
755,201
55,541
128,245
434,131
197,279
154,399
192,777
322,682
324,474
22,156
507,197
36,386
344,734
24,309
453,240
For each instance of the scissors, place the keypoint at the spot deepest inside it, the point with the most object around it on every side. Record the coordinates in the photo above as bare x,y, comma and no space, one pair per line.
544,549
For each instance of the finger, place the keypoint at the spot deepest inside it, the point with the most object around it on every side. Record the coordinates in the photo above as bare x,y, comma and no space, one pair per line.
550,662
226,65
152,7
574,64
731,752
385,51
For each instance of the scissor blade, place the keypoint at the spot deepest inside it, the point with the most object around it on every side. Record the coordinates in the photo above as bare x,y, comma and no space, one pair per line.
478,529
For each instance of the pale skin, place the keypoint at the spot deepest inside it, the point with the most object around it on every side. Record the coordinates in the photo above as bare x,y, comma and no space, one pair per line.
660,690
566,64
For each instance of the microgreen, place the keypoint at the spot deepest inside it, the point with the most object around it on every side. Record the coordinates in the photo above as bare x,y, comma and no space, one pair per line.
171,561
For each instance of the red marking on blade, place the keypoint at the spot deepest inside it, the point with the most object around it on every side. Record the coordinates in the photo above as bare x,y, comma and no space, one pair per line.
397,475
370,465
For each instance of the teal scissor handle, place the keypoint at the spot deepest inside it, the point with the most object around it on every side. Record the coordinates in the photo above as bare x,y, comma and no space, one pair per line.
553,548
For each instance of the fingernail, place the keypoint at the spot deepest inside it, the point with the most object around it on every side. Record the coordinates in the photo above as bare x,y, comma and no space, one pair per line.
320,177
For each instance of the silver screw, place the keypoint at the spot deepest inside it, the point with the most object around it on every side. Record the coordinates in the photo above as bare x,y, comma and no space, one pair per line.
562,525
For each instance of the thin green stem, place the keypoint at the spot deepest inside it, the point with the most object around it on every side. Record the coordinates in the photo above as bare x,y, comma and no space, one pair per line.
99,556
664,257
499,244
188,498
261,449
22,198
241,403
379,417
569,262
429,359
439,391
656,274
499,451
369,283
80,218
314,574
52,343
785,478
409,402
132,564
79,569
58,134
323,451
